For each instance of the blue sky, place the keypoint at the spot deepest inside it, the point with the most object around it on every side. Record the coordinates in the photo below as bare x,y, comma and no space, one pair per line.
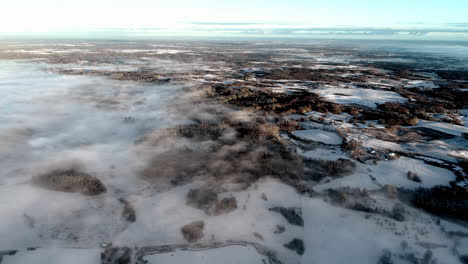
396,18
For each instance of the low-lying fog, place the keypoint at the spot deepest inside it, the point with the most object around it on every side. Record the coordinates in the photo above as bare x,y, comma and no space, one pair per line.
50,122
57,130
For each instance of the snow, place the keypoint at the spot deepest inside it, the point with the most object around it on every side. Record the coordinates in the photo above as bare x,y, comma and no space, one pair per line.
131,50
318,135
52,44
96,220
235,254
382,144
464,116
392,172
289,87
99,67
49,51
431,75
444,127
337,235
448,150
55,256
36,217
323,154
329,117
166,212
360,96
421,85
339,231
385,83
169,51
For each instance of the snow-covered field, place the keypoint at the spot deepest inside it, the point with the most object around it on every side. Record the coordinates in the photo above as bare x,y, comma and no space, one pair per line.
360,96
444,127
318,135
358,237
227,254
392,172
58,255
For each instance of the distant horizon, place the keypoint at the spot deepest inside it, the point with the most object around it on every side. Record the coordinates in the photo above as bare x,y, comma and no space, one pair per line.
277,33
362,19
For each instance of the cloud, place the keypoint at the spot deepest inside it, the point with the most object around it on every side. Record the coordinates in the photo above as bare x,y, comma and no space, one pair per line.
310,31
229,23
463,25
446,31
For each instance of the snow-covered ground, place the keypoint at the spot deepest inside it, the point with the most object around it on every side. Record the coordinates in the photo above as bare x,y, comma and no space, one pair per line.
150,51
360,96
324,154
49,51
338,235
252,216
228,254
455,130
318,135
58,255
422,85
392,172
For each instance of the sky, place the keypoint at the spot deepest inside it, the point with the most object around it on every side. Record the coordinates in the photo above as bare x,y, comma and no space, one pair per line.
397,18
